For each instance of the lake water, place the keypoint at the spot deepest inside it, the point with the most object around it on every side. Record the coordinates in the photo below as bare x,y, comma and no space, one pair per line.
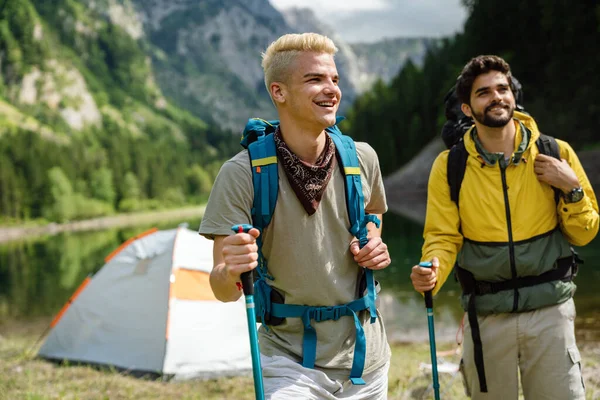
37,276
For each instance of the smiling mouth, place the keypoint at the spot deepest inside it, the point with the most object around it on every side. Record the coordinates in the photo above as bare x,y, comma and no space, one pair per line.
496,108
325,104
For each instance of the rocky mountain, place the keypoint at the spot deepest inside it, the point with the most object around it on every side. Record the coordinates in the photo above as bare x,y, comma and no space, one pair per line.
123,105
207,54
71,66
384,59
361,64
202,56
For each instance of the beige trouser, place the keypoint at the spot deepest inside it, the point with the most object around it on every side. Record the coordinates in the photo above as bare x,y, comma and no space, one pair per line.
285,379
540,343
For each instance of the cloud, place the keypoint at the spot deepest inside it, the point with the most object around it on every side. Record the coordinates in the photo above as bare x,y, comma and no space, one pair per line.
369,21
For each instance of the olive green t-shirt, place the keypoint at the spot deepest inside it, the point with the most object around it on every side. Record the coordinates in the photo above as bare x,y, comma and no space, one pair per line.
308,257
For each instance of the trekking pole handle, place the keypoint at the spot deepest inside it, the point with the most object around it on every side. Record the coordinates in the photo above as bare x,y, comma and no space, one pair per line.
428,295
246,277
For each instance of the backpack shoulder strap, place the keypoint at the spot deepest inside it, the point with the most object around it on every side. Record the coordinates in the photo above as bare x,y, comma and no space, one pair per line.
265,179
346,150
548,145
258,138
457,164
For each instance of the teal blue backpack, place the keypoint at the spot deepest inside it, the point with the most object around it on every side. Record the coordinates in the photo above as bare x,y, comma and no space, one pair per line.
258,138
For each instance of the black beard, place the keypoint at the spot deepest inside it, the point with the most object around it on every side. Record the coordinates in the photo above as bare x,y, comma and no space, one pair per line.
486,119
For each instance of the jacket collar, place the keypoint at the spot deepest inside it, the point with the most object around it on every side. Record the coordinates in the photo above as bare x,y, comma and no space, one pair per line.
526,134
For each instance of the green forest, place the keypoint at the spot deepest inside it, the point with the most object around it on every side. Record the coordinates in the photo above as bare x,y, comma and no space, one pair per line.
146,153
141,156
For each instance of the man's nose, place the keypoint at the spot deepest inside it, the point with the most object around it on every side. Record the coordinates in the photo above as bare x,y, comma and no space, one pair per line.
331,88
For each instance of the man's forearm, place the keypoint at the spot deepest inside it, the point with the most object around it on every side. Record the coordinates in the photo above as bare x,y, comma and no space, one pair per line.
223,287
373,230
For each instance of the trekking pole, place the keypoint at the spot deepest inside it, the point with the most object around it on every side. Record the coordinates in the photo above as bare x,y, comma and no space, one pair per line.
429,306
248,289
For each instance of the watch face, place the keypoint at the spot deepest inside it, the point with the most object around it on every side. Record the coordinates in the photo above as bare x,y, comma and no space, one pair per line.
575,195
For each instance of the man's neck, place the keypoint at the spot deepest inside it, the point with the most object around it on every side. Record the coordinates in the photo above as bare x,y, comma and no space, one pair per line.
307,144
497,140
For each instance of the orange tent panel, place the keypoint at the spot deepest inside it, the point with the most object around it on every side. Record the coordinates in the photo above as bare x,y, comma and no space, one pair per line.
191,285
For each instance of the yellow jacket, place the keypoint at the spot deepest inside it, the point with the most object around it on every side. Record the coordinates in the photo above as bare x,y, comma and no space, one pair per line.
482,216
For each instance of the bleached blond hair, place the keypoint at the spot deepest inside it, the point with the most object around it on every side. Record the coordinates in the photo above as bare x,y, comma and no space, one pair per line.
280,54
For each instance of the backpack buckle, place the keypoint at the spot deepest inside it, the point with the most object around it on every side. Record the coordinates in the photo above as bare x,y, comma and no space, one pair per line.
327,313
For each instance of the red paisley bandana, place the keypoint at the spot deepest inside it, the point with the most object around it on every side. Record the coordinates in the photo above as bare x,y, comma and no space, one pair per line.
308,181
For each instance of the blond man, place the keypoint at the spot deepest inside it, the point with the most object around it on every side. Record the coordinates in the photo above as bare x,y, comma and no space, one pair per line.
313,258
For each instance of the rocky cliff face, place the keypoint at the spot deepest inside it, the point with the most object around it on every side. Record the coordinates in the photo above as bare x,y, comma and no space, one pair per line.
207,54
71,66
383,60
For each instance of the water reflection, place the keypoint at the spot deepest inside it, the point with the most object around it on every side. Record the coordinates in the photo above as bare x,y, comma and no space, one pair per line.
406,320
38,276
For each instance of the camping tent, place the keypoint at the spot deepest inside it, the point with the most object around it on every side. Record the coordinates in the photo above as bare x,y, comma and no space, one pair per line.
150,309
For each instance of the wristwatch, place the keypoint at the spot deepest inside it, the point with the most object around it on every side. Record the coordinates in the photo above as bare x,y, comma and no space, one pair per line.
574,195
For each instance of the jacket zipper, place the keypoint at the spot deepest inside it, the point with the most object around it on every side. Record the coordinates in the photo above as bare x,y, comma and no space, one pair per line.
511,243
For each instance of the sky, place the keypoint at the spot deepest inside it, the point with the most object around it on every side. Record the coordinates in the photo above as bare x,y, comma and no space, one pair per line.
373,20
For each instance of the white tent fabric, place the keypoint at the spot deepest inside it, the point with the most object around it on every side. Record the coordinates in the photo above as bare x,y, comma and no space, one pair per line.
150,309
214,351
193,251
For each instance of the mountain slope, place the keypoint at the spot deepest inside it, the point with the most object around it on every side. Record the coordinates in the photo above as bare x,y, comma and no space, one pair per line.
384,60
120,105
207,55
84,128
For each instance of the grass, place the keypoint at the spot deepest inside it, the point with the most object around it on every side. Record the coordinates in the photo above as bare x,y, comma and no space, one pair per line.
24,377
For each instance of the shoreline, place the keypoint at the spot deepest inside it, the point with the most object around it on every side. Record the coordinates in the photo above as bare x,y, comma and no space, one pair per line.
8,234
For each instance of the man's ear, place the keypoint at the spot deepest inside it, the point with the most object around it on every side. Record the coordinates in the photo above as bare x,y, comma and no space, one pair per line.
278,92
466,109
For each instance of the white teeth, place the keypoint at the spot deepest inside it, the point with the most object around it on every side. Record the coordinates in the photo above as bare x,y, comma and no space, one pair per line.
325,104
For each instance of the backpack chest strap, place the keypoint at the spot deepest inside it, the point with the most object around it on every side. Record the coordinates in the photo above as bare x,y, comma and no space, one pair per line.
319,314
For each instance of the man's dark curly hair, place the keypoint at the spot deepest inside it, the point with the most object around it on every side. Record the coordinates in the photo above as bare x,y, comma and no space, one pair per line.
477,66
